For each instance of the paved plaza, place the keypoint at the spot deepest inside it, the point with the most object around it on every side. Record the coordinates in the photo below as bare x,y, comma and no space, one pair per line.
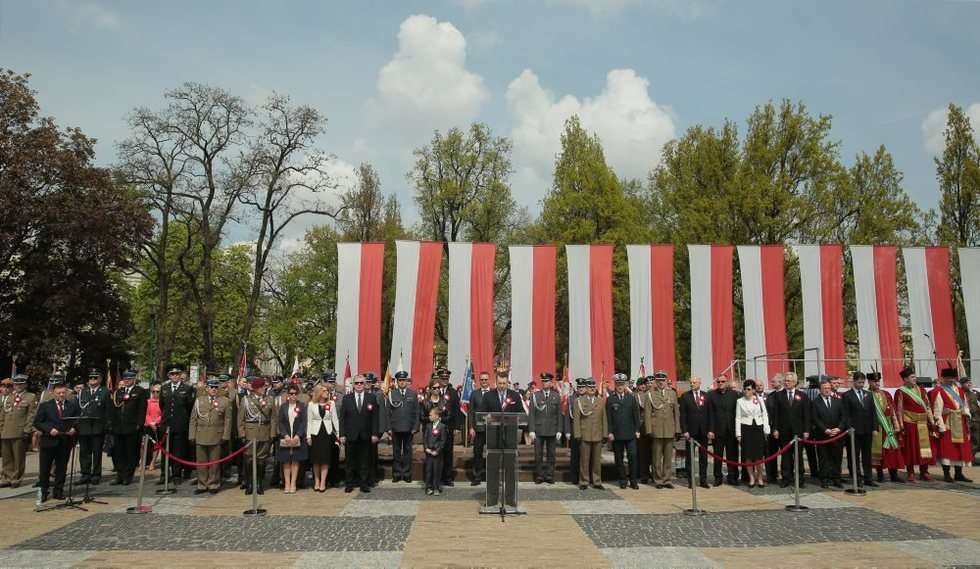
910,525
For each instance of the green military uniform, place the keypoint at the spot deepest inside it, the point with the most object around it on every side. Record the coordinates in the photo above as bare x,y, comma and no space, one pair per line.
18,409
589,424
256,422
210,427
662,424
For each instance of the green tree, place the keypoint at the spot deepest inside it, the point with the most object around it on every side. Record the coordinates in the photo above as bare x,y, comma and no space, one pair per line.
958,173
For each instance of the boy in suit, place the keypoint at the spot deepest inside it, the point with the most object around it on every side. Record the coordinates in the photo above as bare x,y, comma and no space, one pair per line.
433,441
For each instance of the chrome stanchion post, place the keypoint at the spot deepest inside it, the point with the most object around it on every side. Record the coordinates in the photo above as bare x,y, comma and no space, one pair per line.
796,506
692,476
166,468
139,508
255,511
854,473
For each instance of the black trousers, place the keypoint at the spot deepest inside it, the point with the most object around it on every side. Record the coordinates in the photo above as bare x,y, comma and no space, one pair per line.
862,446
357,463
401,450
479,461
544,458
830,458
90,455
643,457
373,464
56,456
180,446
786,466
702,460
812,461
727,446
627,447
127,454
433,471
575,459
448,472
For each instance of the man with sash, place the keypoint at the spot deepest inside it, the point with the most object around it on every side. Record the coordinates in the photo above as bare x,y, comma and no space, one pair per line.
886,450
913,407
257,422
209,429
403,423
949,407
544,424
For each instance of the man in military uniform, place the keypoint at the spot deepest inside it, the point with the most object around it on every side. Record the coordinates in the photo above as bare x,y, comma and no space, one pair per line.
176,400
6,386
544,424
643,444
257,422
93,402
623,415
973,403
403,423
451,419
16,430
574,444
661,421
591,429
478,430
210,427
127,416
375,472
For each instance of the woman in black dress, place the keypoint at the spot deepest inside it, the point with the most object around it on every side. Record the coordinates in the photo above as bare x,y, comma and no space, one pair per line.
322,427
751,429
292,438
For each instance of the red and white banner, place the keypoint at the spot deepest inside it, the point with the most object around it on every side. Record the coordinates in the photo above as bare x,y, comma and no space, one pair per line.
763,310
532,329
822,284
590,326
360,268
930,309
416,292
876,298
712,332
470,308
970,279
651,269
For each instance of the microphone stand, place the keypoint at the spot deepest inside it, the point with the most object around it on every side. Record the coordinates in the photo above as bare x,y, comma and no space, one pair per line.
87,498
70,502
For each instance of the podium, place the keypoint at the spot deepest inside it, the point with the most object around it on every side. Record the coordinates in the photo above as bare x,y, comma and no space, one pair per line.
501,429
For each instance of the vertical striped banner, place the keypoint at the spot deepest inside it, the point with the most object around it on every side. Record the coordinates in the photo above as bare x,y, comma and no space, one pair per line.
876,297
970,279
651,270
416,292
590,330
822,284
764,310
360,268
471,268
532,331
712,330
930,308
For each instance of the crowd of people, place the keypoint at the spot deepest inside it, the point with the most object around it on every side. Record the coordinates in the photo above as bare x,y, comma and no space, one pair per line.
311,426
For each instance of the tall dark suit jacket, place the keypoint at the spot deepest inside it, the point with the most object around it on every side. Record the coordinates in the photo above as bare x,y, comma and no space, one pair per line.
623,416
491,403
824,418
359,425
298,428
403,412
47,418
451,416
861,417
792,414
176,405
130,416
694,417
721,412
96,408
476,399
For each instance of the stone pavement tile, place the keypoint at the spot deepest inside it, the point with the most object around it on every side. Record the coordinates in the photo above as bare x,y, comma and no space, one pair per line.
659,558
188,560
276,503
954,552
477,495
454,534
816,556
723,498
374,508
21,522
599,507
349,559
16,559
165,505
811,501
954,512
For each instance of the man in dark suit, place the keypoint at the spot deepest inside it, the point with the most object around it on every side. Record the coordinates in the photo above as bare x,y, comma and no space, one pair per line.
694,425
860,409
93,399
451,420
478,431
503,399
128,414
623,418
55,419
403,420
176,400
721,427
829,420
358,431
791,419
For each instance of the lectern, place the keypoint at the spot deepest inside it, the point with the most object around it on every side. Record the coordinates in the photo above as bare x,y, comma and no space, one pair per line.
501,431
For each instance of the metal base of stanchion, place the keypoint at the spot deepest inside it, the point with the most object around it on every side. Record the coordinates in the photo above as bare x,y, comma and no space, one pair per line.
166,491
795,508
695,512
255,512
856,492
145,509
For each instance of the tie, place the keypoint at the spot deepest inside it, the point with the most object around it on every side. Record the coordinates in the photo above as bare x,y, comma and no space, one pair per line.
501,393
358,402
60,411
860,398
827,401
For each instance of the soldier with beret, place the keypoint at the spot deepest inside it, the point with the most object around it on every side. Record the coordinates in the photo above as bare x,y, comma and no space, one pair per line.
127,413
93,400
257,422
15,432
403,423
544,425
176,400
210,427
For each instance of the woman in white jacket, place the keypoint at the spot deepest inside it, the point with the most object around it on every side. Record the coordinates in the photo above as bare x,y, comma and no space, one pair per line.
322,427
751,429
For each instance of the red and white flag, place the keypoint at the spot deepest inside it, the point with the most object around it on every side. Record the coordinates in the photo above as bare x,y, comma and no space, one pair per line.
876,299
243,363
347,376
416,292
360,267
651,270
712,332
930,309
590,325
532,330
471,267
822,284
761,267
970,279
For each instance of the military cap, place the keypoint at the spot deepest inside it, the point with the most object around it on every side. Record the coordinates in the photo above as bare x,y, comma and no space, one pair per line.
55,380
175,369
257,382
620,378
20,378
214,383
370,377
442,373
660,376
642,380
965,380
327,375
580,382
94,372
401,376
547,376
589,382
129,374
949,372
224,377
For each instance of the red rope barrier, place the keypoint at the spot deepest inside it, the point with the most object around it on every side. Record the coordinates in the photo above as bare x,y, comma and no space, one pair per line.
818,442
158,446
775,455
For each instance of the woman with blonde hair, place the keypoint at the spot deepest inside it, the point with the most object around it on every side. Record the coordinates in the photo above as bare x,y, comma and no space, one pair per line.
291,428
322,426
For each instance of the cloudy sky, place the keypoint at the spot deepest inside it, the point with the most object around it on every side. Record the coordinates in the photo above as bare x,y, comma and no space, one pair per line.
638,72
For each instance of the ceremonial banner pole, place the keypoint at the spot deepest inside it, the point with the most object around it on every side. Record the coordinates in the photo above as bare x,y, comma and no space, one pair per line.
692,476
795,506
854,473
255,511
166,468
139,508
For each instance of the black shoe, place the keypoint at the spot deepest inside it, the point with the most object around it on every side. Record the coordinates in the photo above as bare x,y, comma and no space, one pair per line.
599,486
634,485
947,478
622,485
871,483
200,490
366,489
213,491
783,484
669,486
474,482
583,486
248,491
4,484
881,476
261,490
825,485
960,478
658,486
704,485
44,496
409,479
449,483
348,489
717,481
550,481
838,484
58,494
116,482
538,481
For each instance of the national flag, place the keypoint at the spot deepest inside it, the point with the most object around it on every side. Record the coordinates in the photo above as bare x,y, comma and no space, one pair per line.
386,384
296,365
566,386
347,375
243,363
464,400
590,310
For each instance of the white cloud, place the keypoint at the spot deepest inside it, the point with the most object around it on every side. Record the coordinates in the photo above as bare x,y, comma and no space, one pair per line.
83,15
934,126
632,127
427,79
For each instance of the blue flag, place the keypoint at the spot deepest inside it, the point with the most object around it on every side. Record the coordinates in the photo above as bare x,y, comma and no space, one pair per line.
464,402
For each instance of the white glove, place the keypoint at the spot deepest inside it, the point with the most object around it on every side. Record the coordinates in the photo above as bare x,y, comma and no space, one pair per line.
558,438
531,435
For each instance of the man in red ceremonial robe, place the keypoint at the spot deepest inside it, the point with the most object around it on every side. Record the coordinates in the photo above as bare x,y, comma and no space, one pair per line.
912,404
886,449
949,407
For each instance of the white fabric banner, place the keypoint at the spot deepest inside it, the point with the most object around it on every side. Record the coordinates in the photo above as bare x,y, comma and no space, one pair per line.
641,310
750,265
702,354
403,320
920,311
579,312
521,302
460,311
812,288
970,278
348,301
865,296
